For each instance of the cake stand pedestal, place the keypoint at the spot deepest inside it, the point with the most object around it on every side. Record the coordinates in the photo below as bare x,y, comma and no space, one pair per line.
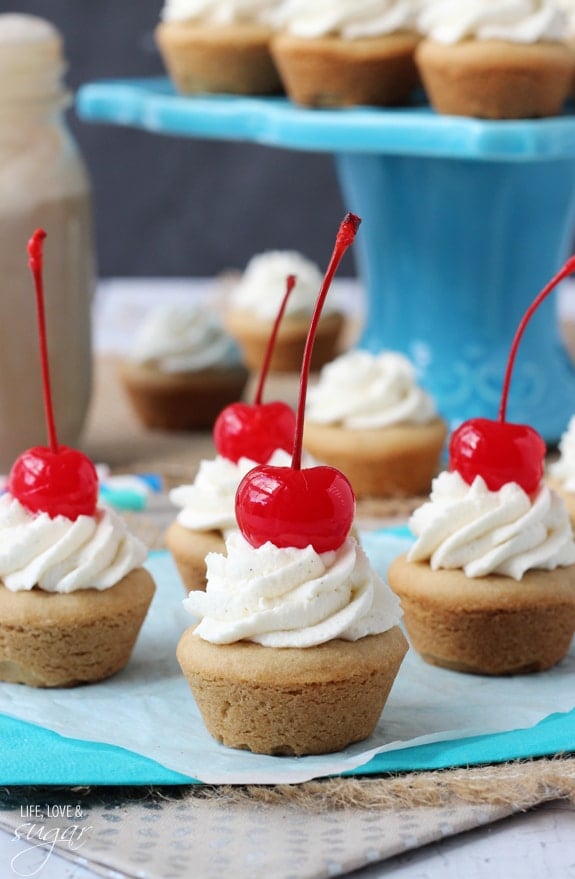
464,221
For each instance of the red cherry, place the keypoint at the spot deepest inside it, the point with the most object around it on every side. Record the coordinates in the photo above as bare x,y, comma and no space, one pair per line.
297,507
501,452
58,480
256,431
288,506
498,451
64,483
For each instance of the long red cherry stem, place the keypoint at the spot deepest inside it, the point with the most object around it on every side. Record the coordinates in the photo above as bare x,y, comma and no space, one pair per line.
567,269
36,263
345,237
290,284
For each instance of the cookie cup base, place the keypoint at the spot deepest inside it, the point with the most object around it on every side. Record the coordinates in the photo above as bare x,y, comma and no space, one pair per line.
335,72
228,59
189,550
292,701
394,461
181,401
50,639
490,625
252,335
494,79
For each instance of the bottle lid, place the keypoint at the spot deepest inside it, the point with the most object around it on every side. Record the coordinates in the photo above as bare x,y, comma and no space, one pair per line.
32,62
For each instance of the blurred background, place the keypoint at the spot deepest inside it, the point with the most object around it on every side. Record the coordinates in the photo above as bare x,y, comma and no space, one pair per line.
169,206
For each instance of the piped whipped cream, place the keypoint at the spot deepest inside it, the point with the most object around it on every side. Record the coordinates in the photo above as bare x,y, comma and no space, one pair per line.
262,286
491,532
564,469
209,502
516,21
61,555
291,597
362,390
350,19
178,338
218,12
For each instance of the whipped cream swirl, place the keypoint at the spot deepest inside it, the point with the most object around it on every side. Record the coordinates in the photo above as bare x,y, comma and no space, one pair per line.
180,338
517,21
363,390
350,19
491,532
218,12
291,597
209,502
61,555
262,286
564,469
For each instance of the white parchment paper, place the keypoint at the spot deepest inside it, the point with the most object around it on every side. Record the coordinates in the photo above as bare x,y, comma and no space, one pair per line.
148,708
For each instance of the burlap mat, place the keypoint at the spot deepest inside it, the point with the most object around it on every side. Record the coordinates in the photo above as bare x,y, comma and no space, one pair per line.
314,830
113,436
519,784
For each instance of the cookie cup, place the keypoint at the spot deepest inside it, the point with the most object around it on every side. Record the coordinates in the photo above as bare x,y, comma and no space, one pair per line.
495,79
491,625
252,335
394,461
52,639
233,59
181,401
189,550
334,72
290,701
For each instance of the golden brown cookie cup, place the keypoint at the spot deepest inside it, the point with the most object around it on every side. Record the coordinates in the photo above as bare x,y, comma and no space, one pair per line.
288,701
394,461
51,639
189,550
490,625
252,335
181,401
229,59
495,79
335,72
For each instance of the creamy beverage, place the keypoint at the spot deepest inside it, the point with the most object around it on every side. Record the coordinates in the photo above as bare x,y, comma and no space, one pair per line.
43,184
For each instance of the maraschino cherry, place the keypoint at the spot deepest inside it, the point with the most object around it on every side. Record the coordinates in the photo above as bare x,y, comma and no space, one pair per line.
499,451
291,506
58,480
255,431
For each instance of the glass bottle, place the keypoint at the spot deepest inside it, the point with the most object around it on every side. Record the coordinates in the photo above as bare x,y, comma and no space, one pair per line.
43,184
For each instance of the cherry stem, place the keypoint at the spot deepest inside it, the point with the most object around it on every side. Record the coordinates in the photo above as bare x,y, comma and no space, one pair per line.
345,237
290,284
567,269
36,263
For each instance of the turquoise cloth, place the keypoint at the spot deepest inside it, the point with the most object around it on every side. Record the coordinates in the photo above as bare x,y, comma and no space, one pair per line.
31,755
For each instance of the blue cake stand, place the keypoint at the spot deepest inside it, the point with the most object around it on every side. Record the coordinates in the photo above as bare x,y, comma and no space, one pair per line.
464,221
